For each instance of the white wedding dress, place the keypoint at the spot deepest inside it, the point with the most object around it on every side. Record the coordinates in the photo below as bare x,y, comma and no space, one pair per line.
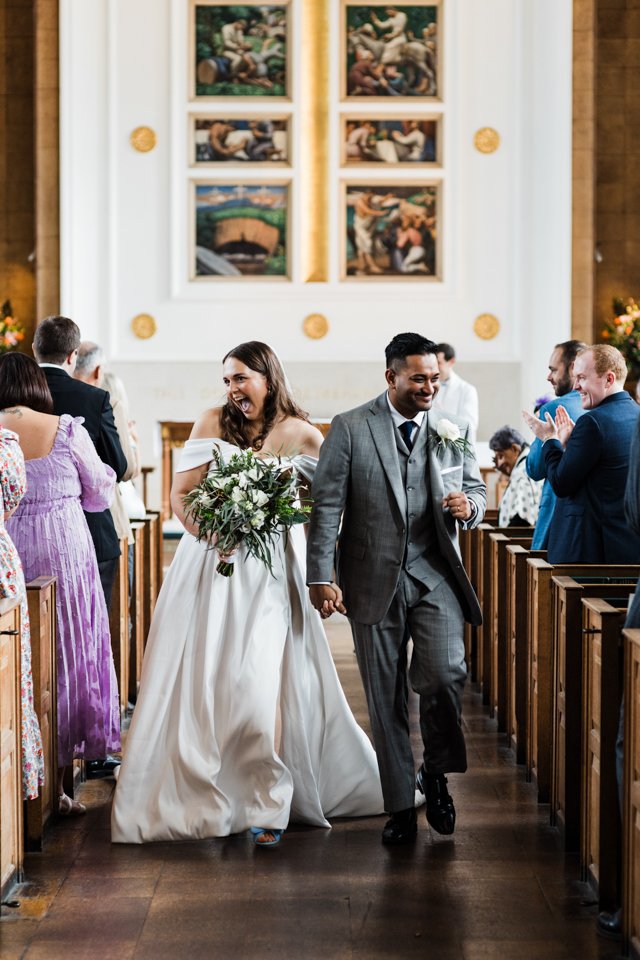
224,657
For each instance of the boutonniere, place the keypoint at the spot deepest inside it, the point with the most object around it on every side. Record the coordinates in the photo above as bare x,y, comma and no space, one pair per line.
448,435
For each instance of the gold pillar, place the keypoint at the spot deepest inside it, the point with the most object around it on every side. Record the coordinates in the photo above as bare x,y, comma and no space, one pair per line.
314,118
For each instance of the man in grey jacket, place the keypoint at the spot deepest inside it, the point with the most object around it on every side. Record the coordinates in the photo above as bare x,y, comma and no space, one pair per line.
392,484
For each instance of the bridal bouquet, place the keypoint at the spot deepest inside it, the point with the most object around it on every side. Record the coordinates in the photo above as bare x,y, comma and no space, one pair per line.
245,500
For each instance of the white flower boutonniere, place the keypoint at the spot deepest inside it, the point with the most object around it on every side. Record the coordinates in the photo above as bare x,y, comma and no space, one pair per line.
448,435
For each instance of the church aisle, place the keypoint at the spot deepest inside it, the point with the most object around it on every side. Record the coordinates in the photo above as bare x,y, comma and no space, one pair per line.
499,889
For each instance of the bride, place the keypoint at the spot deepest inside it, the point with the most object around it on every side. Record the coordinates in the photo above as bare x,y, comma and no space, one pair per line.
241,722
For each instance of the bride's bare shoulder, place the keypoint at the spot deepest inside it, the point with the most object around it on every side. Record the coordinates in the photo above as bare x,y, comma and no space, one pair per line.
207,424
302,436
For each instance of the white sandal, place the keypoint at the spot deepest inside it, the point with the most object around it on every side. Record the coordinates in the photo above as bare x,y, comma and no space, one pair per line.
70,808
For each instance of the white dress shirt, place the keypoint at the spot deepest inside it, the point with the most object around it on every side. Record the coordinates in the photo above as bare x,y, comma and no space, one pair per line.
460,398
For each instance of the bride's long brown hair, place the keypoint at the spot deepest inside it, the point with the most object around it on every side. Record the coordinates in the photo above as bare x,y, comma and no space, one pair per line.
278,402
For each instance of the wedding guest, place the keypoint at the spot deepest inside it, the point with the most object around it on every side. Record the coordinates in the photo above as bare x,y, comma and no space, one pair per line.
455,395
12,588
560,377
521,500
64,477
587,463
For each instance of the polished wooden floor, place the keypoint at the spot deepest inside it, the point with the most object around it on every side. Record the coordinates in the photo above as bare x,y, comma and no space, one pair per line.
499,889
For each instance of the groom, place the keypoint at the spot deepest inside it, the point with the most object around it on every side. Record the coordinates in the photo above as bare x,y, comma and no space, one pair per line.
400,491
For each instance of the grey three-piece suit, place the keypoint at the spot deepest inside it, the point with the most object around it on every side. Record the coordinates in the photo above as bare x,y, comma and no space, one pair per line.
399,568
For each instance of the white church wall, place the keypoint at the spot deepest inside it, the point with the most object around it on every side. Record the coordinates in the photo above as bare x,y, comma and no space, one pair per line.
505,219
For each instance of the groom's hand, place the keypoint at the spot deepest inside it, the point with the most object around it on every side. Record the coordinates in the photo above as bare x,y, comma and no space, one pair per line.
326,598
457,503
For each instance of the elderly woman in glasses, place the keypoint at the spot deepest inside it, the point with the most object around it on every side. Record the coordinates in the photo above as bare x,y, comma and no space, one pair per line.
521,500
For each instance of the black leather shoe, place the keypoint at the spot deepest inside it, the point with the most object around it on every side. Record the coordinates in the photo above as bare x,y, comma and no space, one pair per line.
609,925
402,827
98,769
441,813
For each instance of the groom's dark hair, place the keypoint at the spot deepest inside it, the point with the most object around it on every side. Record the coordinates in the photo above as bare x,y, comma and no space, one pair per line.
406,345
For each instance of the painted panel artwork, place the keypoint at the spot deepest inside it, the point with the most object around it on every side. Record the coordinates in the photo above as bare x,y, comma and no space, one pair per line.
241,230
391,231
262,140
240,50
392,51
392,141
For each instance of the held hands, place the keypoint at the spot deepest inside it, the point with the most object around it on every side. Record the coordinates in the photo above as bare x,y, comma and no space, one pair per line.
327,599
458,505
550,429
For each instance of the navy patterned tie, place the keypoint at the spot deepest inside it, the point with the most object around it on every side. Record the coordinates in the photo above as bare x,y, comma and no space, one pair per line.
406,429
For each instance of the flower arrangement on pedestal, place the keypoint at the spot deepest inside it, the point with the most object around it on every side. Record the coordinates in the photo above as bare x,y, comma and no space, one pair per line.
623,331
11,330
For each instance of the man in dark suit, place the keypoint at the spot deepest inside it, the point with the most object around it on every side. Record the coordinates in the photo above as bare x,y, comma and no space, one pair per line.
587,464
55,347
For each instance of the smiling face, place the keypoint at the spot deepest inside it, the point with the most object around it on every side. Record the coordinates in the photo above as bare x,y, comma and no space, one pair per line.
246,388
559,376
592,387
414,384
505,460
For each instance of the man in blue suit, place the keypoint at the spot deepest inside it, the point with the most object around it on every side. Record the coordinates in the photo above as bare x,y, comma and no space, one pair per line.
587,463
560,377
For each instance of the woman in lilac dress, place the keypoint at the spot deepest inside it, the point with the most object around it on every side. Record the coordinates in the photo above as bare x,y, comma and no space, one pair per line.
64,477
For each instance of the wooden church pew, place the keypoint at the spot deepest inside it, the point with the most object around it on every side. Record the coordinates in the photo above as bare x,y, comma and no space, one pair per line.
541,658
119,624
137,610
631,791
516,639
568,594
11,834
484,582
601,693
41,601
498,625
150,586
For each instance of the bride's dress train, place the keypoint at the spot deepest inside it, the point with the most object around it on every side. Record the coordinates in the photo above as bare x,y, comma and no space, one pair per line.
224,657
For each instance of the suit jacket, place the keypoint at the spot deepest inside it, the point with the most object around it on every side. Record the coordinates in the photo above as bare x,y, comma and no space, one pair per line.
358,478
537,470
589,479
82,400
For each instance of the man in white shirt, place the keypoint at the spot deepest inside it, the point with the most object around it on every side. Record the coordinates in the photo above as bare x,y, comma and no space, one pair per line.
455,394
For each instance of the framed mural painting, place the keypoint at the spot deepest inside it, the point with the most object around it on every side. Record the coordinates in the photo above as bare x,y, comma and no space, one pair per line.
240,230
242,139
391,231
394,141
391,51
239,50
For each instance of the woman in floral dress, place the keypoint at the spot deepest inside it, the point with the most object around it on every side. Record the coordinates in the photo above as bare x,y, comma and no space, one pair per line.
13,482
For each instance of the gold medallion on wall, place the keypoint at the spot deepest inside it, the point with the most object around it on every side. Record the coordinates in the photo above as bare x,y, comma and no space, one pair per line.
143,139
143,326
315,326
486,326
486,140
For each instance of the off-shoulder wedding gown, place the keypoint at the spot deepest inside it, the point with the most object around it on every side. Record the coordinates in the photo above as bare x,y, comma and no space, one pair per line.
223,658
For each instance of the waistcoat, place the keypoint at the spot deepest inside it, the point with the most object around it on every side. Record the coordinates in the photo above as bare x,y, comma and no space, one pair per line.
422,557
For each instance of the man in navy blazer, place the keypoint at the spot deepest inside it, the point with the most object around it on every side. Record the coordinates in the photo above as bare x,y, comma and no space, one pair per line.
587,464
